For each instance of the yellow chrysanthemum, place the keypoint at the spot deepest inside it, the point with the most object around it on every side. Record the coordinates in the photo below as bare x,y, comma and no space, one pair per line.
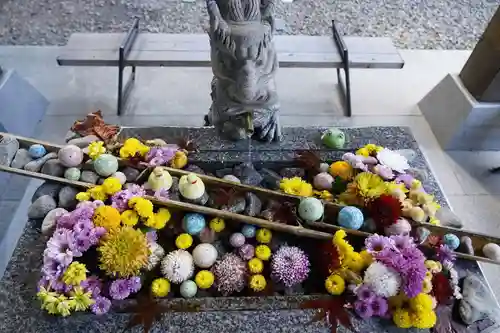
142,206
204,279
398,301
129,217
263,252
264,236
423,319
354,261
160,287
217,224
163,215
184,241
258,282
401,318
75,273
107,217
341,169
98,193
123,252
83,196
363,152
255,266
96,149
421,302
367,257
296,186
335,284
111,185
132,147
323,195
370,186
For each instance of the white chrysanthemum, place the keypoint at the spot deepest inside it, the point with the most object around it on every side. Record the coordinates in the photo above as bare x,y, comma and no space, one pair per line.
157,253
393,160
384,281
177,266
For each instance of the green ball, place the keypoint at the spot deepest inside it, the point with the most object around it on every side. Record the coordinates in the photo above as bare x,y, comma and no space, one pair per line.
311,209
333,138
72,174
188,289
105,165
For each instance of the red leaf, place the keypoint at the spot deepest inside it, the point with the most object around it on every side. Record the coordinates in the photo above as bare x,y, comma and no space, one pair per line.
309,161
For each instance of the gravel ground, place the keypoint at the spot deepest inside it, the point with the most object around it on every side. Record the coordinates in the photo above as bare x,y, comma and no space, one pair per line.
430,24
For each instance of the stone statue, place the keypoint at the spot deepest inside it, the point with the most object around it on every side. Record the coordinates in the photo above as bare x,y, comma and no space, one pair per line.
244,64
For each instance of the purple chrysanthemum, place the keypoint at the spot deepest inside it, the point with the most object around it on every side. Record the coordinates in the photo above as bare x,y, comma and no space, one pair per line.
134,284
290,265
151,236
377,243
101,305
62,247
95,235
65,221
230,274
82,225
363,309
402,242
83,243
364,293
413,280
120,199
406,179
83,212
379,306
92,284
445,254
160,155
162,194
52,268
119,289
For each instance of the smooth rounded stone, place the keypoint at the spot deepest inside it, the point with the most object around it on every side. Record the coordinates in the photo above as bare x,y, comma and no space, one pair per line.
53,167
47,188
88,176
323,181
292,172
223,172
70,135
37,151
106,165
84,141
448,218
409,154
70,156
50,220
477,302
8,149
131,174
419,174
232,178
22,158
369,225
67,197
221,249
237,206
247,174
466,245
253,204
41,207
120,176
101,180
492,251
72,174
323,167
88,165
271,179
195,169
421,234
36,165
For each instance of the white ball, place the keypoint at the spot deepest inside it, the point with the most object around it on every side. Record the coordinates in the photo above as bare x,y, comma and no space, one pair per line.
177,266
121,177
204,255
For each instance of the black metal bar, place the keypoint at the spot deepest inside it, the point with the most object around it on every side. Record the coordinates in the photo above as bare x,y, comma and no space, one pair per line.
123,52
344,55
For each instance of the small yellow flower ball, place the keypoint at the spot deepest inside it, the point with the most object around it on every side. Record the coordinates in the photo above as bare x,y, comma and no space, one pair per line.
421,302
184,241
258,282
217,224
111,185
335,284
423,319
255,266
401,318
263,252
160,287
83,196
204,279
363,152
264,236
427,286
142,206
433,266
129,217
428,275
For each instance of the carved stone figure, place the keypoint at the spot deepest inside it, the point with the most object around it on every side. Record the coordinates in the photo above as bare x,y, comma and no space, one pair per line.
244,64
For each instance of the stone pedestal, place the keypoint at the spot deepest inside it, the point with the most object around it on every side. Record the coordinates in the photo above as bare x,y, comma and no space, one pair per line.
458,120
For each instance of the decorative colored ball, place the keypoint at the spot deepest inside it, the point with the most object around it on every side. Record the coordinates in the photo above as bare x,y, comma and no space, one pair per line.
120,176
217,224
350,217
452,241
188,289
323,181
193,223
310,209
105,165
72,173
70,156
333,138
248,231
237,239
205,255
204,279
264,236
37,151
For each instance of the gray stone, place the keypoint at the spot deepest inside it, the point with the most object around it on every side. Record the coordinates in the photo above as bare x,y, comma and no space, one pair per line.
236,206
369,225
100,181
83,142
50,220
223,172
419,174
250,92
232,178
492,251
131,174
88,165
70,135
8,148
292,172
22,158
271,179
36,165
54,168
67,197
194,168
323,167
47,188
88,176
253,204
477,302
448,218
422,234
41,207
466,245
247,174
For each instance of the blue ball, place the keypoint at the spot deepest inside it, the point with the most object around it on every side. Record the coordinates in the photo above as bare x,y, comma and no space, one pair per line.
350,217
452,241
193,223
37,151
248,231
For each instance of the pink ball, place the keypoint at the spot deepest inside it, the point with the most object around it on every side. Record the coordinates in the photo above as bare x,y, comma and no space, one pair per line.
70,156
323,181
401,227
237,239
